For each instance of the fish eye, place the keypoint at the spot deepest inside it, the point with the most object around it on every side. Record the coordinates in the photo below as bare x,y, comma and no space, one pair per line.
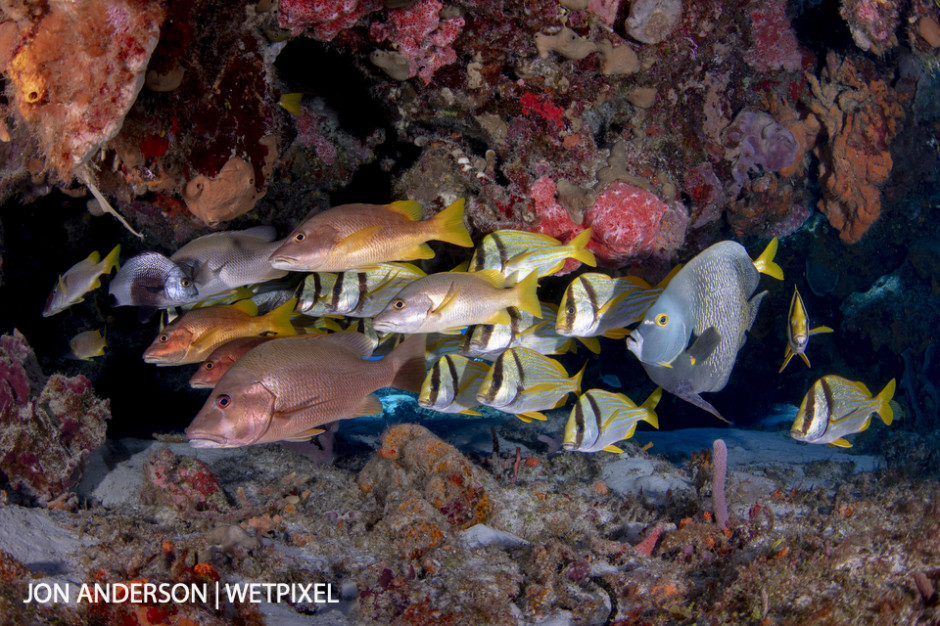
209,365
185,282
223,401
399,304
570,310
164,338
299,237
662,319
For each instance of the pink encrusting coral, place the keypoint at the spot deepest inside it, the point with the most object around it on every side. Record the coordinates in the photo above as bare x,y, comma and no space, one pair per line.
775,46
323,19
420,34
625,221
47,426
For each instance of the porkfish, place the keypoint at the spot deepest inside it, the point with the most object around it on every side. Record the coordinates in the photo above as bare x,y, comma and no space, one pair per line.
601,418
193,337
354,236
220,262
523,382
290,389
546,260
78,280
449,300
221,359
798,331
495,249
355,294
451,385
835,407
488,341
708,299
595,304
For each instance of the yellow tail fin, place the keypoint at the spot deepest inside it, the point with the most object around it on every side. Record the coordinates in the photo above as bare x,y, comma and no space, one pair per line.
765,262
576,379
885,409
449,226
113,260
581,253
291,103
527,297
650,404
279,319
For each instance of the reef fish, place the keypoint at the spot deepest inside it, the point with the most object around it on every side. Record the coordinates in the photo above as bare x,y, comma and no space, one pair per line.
193,337
523,382
487,341
451,385
494,250
356,294
88,344
601,418
290,389
798,330
546,260
712,292
78,280
221,359
152,280
354,236
450,300
219,262
835,407
596,304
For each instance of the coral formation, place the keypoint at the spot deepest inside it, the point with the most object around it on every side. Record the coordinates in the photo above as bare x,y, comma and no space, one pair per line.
755,141
76,71
861,119
185,483
774,44
228,195
421,35
49,425
652,21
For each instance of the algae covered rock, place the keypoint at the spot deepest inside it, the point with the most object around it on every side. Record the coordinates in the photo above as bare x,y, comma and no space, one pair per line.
47,425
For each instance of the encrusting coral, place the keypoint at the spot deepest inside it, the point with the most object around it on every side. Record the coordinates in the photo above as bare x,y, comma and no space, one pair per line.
860,120
47,425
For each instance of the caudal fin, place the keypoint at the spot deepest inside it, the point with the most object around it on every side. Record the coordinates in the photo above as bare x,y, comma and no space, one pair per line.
280,319
448,226
765,262
113,260
885,410
407,363
527,297
580,252
650,404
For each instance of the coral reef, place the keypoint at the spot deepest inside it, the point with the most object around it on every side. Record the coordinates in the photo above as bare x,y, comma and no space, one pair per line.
182,482
861,119
76,70
49,425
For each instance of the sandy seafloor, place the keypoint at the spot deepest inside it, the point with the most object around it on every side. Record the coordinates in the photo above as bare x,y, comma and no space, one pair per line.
817,535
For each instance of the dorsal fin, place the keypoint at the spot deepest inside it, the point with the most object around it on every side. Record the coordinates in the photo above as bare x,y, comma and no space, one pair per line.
409,209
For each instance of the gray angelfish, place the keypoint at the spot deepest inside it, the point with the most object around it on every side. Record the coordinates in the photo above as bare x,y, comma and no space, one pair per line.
709,299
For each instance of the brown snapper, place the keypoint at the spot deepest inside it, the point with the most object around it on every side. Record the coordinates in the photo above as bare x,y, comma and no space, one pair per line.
353,236
289,389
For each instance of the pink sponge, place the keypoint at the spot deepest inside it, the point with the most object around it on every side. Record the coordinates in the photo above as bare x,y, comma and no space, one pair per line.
625,220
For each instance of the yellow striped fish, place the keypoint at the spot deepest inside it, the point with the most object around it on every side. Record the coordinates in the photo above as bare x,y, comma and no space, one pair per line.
356,294
487,341
524,382
451,385
596,304
835,407
495,250
798,331
602,418
545,261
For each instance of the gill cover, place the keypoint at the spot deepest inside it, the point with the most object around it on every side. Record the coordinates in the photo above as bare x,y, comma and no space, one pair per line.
664,332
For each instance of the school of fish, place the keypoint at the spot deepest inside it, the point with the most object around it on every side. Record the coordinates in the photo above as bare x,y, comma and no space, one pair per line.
294,335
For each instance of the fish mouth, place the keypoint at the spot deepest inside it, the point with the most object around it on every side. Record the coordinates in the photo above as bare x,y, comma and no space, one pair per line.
157,360
383,326
635,343
207,440
282,261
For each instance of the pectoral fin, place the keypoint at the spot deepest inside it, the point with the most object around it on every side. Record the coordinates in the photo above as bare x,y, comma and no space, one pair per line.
786,359
531,415
841,443
358,239
820,330
305,435
704,345
370,405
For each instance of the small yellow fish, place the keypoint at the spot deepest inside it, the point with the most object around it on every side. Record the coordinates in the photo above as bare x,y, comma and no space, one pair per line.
602,418
356,236
524,382
835,407
79,279
88,344
193,337
546,260
449,300
798,331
